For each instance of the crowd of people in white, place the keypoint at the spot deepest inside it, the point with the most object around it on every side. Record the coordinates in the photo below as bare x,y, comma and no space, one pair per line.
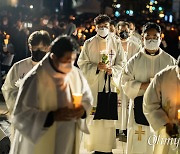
116,65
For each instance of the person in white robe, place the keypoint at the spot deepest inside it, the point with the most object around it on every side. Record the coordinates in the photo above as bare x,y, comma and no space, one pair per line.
135,79
161,105
38,42
102,136
130,48
52,104
134,35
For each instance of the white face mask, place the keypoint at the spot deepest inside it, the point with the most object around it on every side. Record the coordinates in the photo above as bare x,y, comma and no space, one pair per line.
65,67
103,32
152,44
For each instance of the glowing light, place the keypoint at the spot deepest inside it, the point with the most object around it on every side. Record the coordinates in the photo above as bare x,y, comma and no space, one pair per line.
155,2
162,35
31,6
160,8
153,8
127,12
118,6
147,6
170,18
166,18
117,14
80,35
151,3
179,38
56,10
172,29
161,15
158,21
93,27
91,30
131,12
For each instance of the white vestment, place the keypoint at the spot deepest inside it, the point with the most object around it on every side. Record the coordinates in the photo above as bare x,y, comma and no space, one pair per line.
41,93
140,68
132,49
161,104
14,77
136,37
102,132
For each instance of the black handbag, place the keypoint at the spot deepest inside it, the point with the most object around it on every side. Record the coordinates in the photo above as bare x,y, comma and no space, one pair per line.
138,111
106,104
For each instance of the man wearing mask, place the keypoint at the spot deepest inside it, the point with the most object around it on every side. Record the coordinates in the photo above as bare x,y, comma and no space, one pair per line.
102,138
136,77
52,104
130,48
39,42
161,105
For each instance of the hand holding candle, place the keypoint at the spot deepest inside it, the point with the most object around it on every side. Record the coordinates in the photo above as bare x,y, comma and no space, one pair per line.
77,98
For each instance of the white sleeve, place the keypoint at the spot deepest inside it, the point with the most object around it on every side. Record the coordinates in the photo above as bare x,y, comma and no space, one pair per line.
9,89
130,86
27,117
152,105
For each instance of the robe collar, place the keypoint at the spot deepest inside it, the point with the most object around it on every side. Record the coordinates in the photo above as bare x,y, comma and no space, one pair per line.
149,56
101,39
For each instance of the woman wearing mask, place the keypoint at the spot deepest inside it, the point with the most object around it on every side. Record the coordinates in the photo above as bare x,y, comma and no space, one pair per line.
136,77
39,42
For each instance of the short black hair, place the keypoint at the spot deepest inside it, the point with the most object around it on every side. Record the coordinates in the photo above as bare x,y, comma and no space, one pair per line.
151,25
112,22
102,18
122,23
64,44
39,36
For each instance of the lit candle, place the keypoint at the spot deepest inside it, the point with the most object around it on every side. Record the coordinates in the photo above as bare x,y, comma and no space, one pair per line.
179,114
77,98
6,41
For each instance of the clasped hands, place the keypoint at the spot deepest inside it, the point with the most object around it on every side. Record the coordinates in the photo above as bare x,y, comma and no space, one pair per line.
104,67
67,114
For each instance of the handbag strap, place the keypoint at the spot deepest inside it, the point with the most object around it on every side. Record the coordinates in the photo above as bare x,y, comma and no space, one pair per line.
109,82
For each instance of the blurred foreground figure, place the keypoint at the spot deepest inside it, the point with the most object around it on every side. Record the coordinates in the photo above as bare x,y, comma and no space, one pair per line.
162,109
52,104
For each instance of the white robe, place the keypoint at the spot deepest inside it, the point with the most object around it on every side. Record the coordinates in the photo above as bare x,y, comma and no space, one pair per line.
140,68
132,49
161,102
102,132
136,37
10,87
38,95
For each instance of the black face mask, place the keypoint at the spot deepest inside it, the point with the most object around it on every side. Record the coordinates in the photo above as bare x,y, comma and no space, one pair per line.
38,55
124,35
